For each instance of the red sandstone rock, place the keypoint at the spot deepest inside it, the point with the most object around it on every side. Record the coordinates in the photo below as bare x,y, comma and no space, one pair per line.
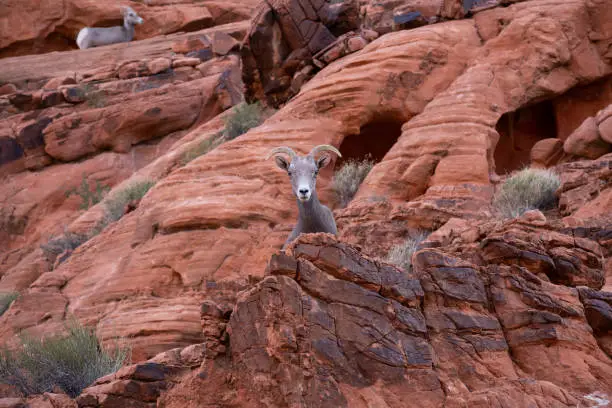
185,62
207,230
136,119
222,43
546,153
7,89
585,194
586,141
52,25
57,82
158,65
475,319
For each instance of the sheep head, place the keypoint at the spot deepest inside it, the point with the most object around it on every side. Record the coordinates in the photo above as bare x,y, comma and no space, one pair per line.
130,16
303,170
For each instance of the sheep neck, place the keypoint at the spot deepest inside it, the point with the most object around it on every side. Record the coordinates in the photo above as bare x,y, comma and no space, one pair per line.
129,30
310,214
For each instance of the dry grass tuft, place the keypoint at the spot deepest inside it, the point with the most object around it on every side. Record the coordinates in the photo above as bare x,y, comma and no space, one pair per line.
70,362
401,255
528,189
348,178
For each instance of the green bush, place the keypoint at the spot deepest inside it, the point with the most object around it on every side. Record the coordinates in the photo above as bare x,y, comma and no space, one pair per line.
115,205
243,117
526,190
71,362
88,196
114,208
401,255
68,241
348,178
6,299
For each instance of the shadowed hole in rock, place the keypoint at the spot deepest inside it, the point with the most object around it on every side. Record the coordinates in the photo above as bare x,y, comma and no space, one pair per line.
360,153
519,131
373,141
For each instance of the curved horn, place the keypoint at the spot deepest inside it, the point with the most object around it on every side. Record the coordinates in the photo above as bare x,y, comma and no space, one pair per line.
322,148
282,149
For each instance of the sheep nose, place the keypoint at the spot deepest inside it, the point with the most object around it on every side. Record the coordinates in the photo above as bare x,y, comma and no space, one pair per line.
303,191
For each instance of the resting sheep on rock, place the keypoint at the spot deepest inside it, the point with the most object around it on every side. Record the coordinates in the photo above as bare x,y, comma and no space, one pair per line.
303,170
95,36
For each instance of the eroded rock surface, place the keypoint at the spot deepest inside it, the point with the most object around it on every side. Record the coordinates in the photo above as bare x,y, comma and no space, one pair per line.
50,25
466,327
331,327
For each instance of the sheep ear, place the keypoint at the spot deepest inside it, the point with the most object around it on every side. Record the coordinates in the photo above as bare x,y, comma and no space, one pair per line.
323,161
282,163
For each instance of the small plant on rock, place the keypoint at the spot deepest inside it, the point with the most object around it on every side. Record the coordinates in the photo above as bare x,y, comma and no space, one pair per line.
6,299
116,204
243,118
528,189
348,178
70,362
67,242
89,197
401,255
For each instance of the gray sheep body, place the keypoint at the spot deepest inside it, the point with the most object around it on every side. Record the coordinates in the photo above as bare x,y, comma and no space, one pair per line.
96,36
313,216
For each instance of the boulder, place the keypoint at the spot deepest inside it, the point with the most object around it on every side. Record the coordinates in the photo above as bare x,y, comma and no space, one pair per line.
546,153
586,141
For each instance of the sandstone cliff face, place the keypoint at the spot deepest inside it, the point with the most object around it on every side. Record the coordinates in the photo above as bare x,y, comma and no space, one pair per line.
330,327
513,313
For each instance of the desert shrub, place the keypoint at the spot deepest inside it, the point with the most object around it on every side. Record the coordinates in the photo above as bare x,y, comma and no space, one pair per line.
115,205
113,211
401,255
6,299
68,241
71,362
243,117
348,178
526,190
89,197
201,148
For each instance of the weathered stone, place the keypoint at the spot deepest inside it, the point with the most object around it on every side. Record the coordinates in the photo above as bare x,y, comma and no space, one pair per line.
605,130
222,43
185,62
158,65
7,89
546,252
132,69
546,153
586,141
74,94
55,83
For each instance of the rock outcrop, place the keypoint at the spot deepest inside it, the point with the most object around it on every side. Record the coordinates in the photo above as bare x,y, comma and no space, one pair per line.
331,327
50,25
593,138
492,313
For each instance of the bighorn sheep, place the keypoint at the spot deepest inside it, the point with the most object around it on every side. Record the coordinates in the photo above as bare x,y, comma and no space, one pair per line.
303,170
95,36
